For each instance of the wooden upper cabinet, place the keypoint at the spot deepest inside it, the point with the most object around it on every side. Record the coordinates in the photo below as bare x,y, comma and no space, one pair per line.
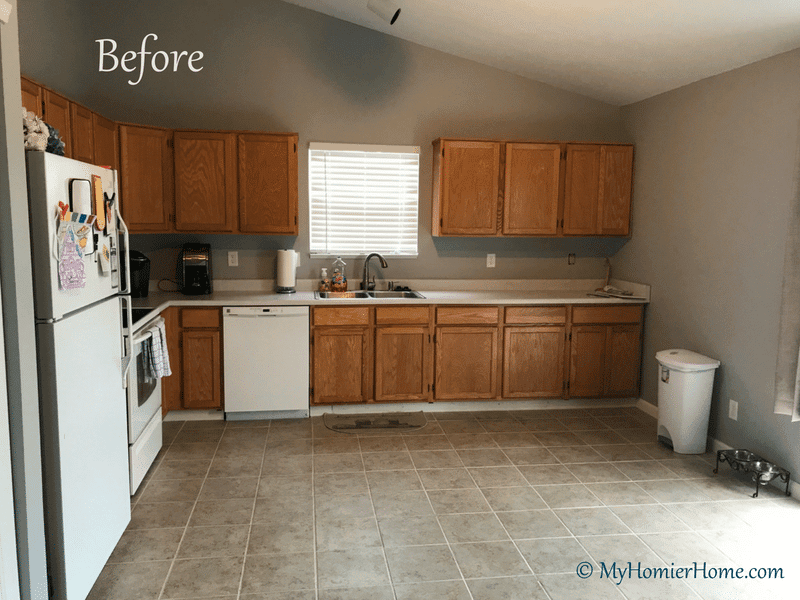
616,179
581,189
106,148
57,115
267,183
530,203
146,174
31,97
205,181
468,188
82,127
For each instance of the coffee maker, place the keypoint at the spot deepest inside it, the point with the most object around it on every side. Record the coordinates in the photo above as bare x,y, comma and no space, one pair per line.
194,269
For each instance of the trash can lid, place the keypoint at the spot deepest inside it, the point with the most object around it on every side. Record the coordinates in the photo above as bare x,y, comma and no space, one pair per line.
686,360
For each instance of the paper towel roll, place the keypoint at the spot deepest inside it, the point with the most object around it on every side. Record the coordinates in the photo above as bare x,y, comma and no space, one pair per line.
287,265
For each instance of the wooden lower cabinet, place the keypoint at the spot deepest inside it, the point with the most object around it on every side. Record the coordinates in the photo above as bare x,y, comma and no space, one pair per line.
341,365
171,386
202,368
194,342
402,363
587,360
466,363
605,359
533,362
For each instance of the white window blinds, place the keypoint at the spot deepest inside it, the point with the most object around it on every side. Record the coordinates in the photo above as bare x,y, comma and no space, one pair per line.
363,199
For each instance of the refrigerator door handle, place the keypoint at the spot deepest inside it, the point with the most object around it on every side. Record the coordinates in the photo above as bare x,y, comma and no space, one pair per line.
127,340
125,253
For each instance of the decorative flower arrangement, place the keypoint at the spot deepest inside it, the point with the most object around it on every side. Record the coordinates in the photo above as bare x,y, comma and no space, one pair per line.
39,135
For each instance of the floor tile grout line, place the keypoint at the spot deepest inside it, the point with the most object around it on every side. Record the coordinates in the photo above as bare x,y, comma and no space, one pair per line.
444,535
252,515
191,513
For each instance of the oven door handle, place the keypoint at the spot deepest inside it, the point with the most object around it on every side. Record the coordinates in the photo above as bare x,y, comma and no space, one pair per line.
127,339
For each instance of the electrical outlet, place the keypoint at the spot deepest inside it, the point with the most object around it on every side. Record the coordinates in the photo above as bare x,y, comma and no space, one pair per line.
733,409
570,259
490,260
233,258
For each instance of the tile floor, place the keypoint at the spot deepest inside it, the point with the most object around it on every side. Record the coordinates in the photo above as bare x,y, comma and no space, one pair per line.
494,505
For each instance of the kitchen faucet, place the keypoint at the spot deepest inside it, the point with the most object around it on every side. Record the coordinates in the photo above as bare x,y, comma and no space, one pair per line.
366,284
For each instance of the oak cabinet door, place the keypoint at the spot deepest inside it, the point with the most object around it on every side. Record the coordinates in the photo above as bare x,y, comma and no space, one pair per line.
623,361
82,133
466,363
106,149
57,115
267,183
581,189
587,361
341,365
533,362
202,368
402,363
205,181
171,386
31,97
530,203
469,188
616,180
146,175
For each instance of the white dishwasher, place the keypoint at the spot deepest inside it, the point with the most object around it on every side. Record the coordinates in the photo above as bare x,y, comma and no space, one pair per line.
266,362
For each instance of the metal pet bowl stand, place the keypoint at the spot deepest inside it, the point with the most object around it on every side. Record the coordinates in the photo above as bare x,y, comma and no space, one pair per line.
763,471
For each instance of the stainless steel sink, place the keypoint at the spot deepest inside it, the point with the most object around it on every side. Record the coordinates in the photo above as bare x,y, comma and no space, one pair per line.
367,295
333,295
393,294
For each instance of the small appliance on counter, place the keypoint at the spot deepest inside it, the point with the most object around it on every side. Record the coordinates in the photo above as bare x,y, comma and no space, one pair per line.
140,274
287,267
194,269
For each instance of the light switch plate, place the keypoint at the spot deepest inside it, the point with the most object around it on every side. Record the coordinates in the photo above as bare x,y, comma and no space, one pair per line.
233,258
490,261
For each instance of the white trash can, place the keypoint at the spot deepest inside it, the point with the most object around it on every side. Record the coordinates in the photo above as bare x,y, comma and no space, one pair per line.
685,380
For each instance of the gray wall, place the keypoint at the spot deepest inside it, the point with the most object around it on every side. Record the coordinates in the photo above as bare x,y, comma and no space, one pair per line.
276,67
715,163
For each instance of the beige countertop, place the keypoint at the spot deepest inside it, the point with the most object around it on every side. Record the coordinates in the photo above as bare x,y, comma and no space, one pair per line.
549,292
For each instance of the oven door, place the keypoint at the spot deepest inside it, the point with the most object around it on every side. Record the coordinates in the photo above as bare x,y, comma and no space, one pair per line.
144,392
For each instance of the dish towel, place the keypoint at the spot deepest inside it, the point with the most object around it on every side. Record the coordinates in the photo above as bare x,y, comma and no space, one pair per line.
158,356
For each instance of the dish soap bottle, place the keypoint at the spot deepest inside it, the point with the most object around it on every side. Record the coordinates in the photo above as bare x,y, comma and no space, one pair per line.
324,281
339,280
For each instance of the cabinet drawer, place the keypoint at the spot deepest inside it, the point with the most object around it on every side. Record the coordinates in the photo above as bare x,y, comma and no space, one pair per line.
200,318
402,315
357,315
462,315
607,314
536,314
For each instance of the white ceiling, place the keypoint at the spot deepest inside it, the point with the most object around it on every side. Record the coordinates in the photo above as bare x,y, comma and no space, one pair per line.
618,51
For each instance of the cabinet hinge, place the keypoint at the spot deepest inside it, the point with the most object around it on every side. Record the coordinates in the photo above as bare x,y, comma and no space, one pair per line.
570,336
295,148
441,222
429,338
433,388
310,392
295,219
567,384
434,338
442,151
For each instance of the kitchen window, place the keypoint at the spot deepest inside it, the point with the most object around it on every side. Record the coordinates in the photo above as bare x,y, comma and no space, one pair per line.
363,198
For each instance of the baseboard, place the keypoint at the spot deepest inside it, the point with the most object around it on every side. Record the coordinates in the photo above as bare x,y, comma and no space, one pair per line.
650,409
794,486
471,406
194,415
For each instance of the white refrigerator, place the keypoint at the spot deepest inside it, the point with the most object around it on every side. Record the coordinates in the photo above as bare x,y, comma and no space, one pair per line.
83,356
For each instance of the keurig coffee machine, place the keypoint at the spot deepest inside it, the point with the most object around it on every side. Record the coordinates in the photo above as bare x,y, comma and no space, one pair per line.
194,269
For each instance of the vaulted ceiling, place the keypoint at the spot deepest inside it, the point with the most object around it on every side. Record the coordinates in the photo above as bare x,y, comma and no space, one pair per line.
618,51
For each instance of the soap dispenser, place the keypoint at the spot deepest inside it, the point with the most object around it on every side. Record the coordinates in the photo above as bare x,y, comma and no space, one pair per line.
324,281
339,279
